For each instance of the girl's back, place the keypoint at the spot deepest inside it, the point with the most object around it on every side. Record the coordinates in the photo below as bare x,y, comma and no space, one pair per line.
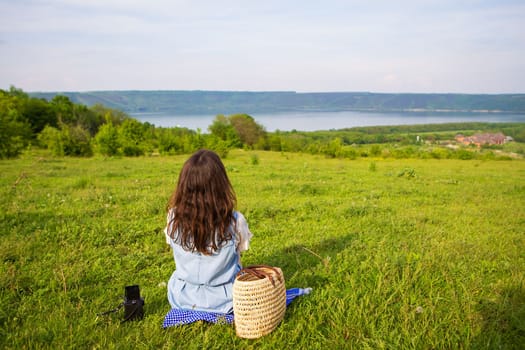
206,236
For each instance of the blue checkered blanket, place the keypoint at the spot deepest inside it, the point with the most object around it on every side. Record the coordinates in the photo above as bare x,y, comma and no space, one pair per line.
177,317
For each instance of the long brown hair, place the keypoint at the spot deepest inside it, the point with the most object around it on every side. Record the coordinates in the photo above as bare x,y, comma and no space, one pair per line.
202,204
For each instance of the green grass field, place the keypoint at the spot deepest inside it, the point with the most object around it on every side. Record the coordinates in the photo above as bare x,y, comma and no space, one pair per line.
401,254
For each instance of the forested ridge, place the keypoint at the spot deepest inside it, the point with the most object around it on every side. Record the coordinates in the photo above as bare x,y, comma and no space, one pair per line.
228,102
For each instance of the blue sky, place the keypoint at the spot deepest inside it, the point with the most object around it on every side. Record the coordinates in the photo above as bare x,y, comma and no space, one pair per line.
457,46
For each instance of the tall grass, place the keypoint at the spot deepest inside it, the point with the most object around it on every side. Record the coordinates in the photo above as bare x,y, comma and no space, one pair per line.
401,254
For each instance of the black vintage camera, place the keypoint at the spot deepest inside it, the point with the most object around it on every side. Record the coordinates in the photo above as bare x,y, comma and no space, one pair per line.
133,304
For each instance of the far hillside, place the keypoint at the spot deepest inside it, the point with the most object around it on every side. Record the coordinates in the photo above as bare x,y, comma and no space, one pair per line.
230,102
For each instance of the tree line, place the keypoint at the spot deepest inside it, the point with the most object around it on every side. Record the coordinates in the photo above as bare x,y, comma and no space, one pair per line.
71,129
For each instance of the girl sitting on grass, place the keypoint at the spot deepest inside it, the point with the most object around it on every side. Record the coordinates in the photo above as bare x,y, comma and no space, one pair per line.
206,235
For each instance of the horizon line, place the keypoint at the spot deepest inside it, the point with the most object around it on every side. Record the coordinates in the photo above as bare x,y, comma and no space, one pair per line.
273,91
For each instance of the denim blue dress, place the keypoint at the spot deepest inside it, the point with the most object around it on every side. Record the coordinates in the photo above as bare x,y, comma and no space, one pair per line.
204,282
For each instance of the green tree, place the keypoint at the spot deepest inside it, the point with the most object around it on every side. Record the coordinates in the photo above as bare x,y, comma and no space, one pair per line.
90,119
220,127
39,113
76,141
275,142
175,140
66,141
168,141
223,129
107,139
222,147
15,130
196,142
105,114
52,139
18,93
334,148
294,142
63,108
248,131
132,137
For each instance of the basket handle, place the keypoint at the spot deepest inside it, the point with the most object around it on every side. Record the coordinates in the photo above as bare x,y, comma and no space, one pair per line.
259,272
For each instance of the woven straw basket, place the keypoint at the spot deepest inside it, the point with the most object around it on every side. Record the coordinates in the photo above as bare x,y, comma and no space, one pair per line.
259,300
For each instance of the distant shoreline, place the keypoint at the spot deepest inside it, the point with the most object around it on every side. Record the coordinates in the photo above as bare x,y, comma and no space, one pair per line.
316,121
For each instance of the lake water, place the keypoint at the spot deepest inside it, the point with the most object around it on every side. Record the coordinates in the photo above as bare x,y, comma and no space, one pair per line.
312,121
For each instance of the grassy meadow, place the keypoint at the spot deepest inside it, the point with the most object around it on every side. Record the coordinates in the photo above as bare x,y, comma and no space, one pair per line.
401,254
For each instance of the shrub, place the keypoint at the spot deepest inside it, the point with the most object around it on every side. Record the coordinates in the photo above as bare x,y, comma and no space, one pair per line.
66,141
464,154
375,151
107,140
51,138
77,141
221,147
439,153
131,137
